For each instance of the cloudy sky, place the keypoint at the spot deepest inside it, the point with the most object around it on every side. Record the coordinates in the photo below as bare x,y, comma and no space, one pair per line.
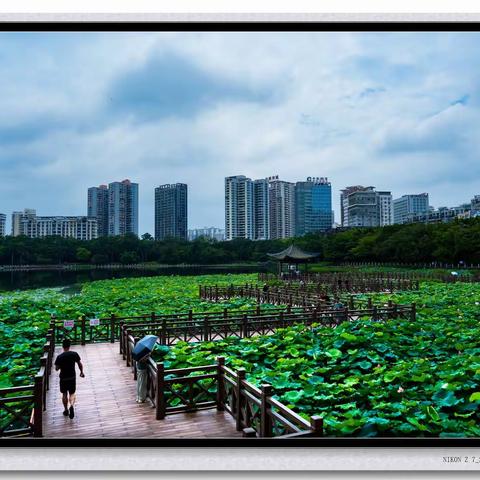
400,111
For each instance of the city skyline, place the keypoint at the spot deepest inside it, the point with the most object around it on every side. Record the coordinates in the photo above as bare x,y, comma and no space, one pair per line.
396,110
361,207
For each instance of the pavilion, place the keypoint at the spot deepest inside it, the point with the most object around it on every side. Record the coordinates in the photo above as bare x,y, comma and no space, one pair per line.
293,255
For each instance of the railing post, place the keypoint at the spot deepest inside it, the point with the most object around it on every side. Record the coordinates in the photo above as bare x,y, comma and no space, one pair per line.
375,313
52,323
121,338
163,337
46,386
316,426
220,384
134,363
206,328
413,313
127,348
82,326
160,400
241,373
47,350
351,305
266,426
38,406
112,328
244,333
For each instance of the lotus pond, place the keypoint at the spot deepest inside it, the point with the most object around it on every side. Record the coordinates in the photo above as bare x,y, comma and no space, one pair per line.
365,379
24,315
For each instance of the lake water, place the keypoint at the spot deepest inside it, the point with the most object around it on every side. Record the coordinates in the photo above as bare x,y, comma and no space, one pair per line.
48,278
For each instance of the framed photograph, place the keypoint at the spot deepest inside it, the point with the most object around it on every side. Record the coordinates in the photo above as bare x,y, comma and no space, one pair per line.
259,237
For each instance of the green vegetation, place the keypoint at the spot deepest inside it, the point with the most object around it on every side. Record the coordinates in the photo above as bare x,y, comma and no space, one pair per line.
398,378
24,316
415,243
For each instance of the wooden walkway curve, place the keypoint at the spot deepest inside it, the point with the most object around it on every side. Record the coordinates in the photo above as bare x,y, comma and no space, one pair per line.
106,405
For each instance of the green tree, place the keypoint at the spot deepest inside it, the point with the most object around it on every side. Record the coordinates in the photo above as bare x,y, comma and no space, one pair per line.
83,254
129,257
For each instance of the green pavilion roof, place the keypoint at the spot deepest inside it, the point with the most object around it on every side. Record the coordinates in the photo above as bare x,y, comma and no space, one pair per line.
293,254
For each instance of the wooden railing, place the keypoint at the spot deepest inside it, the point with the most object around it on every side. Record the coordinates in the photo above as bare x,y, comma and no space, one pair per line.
254,409
108,329
209,329
21,408
348,282
306,297
432,271
245,326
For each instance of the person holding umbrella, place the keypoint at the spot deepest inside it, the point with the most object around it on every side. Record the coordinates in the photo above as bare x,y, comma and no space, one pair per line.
142,375
141,353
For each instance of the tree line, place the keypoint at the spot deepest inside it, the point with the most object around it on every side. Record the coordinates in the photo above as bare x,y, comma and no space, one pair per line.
413,243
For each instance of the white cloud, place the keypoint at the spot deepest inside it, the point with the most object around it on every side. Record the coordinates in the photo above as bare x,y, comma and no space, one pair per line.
359,108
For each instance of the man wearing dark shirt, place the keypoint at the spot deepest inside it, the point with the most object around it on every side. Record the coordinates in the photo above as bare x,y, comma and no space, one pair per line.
65,362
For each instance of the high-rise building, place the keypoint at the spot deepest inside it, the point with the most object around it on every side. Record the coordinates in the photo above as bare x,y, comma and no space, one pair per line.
344,202
18,218
313,206
385,211
282,208
171,211
27,223
261,222
409,205
3,219
97,207
239,207
213,233
122,208
475,203
365,207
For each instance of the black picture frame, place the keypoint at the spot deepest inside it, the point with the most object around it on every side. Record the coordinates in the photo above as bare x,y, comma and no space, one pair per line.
241,26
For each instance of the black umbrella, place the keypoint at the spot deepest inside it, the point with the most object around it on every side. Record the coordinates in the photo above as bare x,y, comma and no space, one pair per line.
144,347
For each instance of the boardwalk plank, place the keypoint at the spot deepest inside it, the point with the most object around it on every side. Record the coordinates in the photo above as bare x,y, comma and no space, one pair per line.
106,406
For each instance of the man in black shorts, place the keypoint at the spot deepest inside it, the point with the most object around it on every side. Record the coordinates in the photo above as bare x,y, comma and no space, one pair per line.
65,362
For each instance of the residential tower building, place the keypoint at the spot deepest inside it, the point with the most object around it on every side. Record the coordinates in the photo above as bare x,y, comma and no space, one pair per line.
282,208
122,208
239,207
261,200
171,211
3,220
97,206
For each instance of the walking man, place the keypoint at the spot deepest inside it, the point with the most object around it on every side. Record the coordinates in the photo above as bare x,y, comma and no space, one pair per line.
65,362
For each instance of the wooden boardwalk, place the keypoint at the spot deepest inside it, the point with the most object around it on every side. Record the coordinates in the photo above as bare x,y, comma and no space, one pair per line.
106,405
